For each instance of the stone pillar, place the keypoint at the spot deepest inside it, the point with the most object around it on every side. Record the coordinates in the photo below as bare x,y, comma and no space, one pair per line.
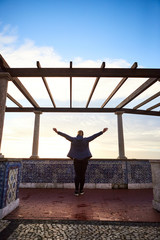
120,135
155,167
36,135
4,78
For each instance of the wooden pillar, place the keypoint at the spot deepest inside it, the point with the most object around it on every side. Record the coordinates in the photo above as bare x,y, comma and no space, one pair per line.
120,136
36,135
4,78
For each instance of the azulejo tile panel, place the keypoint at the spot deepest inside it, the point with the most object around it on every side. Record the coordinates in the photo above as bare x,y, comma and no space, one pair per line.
47,172
106,172
139,172
12,185
2,181
98,171
9,182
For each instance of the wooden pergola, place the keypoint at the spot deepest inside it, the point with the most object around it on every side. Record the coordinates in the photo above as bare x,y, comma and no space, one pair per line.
152,75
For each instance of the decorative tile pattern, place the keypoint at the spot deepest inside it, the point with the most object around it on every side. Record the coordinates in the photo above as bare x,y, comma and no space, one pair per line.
47,172
60,229
12,185
98,171
2,180
9,182
139,172
105,172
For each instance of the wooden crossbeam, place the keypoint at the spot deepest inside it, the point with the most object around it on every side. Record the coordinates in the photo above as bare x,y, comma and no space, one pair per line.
84,110
24,91
46,85
153,107
138,91
14,101
147,100
118,86
84,72
4,66
94,86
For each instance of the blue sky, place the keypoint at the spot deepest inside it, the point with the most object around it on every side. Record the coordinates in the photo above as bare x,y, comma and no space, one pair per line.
90,29
88,32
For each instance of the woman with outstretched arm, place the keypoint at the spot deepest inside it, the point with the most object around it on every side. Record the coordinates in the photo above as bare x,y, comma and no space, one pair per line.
80,153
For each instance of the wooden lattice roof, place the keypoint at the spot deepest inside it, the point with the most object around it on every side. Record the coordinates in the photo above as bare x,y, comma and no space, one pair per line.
153,76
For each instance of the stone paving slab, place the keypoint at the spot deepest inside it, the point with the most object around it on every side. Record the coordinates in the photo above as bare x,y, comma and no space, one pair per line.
77,230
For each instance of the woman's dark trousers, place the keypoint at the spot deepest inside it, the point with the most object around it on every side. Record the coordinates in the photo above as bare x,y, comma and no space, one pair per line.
80,167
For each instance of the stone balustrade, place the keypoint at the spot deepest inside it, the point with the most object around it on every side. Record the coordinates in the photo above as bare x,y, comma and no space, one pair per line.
101,173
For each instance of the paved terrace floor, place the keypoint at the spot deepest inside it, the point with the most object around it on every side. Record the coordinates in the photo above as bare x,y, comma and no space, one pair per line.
95,204
99,214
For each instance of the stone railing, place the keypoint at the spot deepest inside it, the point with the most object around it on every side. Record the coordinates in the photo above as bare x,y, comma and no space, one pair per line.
101,173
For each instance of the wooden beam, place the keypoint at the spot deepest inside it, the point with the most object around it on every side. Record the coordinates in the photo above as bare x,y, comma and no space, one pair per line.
155,106
138,91
85,110
14,101
118,86
147,100
46,85
70,88
4,65
24,91
84,72
94,86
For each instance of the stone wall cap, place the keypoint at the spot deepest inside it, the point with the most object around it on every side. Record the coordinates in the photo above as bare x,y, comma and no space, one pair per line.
68,159
155,161
10,159
92,159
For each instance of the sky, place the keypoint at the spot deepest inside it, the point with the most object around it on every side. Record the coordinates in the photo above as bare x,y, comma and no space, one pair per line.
55,32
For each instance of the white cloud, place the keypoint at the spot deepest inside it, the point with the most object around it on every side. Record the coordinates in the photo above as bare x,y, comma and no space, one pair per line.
7,36
28,53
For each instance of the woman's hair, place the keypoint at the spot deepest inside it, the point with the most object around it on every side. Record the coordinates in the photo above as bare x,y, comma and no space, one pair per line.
80,133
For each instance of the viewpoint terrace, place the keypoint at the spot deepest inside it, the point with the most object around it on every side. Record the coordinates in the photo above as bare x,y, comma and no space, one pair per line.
122,172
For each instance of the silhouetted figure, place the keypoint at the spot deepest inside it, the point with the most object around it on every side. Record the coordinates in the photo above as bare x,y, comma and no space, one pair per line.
80,153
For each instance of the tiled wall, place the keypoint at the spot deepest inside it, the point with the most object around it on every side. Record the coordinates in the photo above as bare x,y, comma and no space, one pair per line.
9,182
139,172
98,172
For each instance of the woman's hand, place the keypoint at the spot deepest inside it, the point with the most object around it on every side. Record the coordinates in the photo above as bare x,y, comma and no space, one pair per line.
55,129
104,130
